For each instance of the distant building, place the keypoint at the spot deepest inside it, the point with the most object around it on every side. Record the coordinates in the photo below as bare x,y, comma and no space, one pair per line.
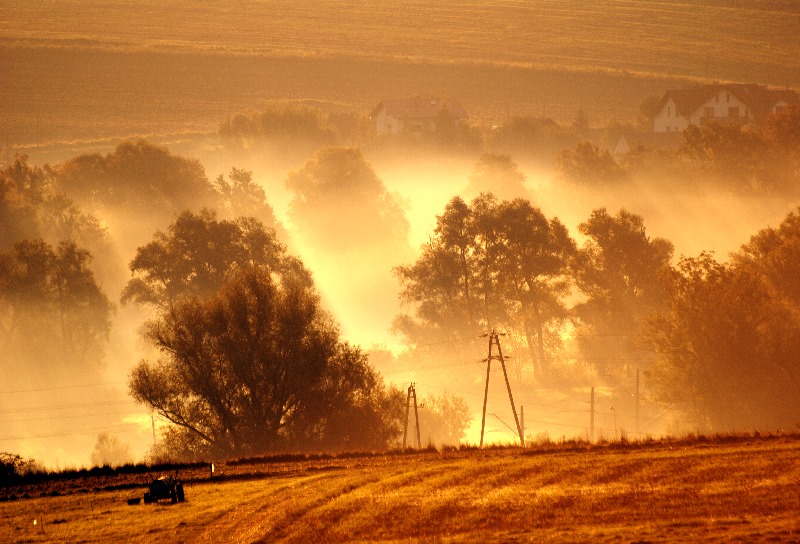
737,104
624,141
416,115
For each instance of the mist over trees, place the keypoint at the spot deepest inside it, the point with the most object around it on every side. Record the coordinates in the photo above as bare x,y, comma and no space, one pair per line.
715,339
258,367
110,451
717,342
744,160
31,207
621,272
55,318
489,265
198,255
137,179
288,125
340,203
499,175
250,362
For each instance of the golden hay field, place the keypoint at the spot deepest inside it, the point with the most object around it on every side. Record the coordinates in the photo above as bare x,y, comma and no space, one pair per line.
113,68
722,490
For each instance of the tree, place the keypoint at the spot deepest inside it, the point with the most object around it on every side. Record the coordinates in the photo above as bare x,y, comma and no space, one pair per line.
488,265
529,137
443,420
198,254
774,253
340,203
728,349
30,208
55,318
621,271
110,451
286,124
257,366
137,182
497,174
588,165
783,129
242,197
730,155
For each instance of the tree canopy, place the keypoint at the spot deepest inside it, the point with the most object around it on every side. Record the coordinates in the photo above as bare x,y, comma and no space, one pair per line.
55,318
340,203
728,349
499,175
137,178
489,264
621,272
197,255
258,367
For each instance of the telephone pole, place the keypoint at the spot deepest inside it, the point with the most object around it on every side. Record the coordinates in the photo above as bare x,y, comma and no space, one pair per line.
412,392
494,340
591,419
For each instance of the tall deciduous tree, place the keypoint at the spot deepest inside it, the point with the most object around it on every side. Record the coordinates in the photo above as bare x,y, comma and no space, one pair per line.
499,175
488,265
198,254
775,254
621,272
590,166
137,177
728,349
55,318
259,367
340,203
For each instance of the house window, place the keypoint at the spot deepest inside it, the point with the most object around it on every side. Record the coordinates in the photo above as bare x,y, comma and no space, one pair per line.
733,112
708,112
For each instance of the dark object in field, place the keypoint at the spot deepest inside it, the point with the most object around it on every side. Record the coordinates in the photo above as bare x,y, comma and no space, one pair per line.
134,501
165,487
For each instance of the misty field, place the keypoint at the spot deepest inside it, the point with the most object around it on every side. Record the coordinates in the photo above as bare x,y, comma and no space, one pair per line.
87,71
725,489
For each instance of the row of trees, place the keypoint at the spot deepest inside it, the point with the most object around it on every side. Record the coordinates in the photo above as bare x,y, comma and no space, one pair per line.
719,341
504,265
752,161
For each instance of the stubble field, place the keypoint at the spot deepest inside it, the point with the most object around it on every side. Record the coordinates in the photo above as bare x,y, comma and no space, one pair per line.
728,489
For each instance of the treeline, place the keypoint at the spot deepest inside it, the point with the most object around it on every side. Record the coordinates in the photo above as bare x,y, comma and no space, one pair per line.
747,160
247,359
717,341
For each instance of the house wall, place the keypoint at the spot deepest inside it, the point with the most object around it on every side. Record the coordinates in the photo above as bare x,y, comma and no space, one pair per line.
724,108
668,119
385,124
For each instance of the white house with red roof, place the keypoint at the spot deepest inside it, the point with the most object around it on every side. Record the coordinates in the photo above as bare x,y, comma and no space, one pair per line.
415,115
739,104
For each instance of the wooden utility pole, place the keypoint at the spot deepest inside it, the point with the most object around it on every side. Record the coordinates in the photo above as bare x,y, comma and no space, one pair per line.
412,392
494,340
591,419
636,429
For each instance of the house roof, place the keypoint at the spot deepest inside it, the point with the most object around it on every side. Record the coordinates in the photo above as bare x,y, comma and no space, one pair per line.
758,98
420,107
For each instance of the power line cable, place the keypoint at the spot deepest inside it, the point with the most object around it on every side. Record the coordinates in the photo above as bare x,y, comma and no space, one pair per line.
61,388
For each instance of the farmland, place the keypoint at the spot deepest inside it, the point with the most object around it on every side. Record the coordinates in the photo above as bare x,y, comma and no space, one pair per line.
75,72
723,489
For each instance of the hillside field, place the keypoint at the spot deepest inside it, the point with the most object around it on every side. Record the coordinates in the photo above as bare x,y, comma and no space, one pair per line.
725,489
109,68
